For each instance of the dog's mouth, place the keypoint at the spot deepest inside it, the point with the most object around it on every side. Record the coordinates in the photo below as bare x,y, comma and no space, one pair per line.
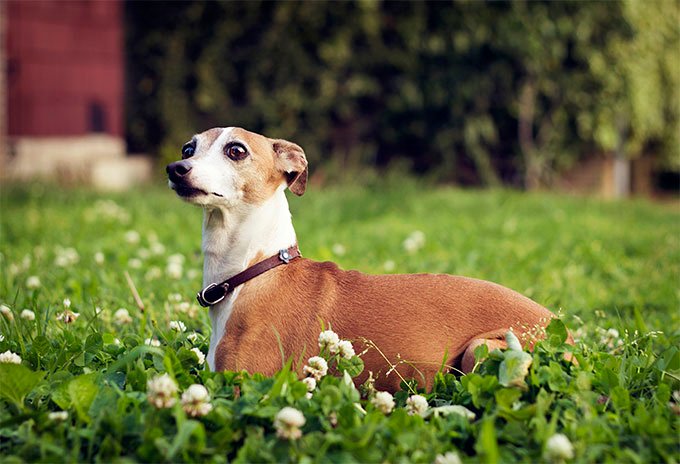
187,191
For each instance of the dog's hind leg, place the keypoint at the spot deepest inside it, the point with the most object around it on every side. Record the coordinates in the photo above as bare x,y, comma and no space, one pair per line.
467,362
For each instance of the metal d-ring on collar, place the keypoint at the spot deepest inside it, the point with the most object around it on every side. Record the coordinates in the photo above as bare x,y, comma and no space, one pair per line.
216,292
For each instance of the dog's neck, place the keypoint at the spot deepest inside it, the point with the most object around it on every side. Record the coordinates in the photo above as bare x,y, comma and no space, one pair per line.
232,240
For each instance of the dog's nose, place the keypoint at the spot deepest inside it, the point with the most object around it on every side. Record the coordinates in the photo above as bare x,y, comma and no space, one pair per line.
177,170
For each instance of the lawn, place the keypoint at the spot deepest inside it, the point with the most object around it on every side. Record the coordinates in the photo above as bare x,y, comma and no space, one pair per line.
84,389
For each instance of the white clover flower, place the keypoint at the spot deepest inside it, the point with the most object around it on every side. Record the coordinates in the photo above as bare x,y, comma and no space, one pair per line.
345,349
449,458
68,316
157,248
192,337
418,236
122,317
338,249
153,273
199,354
609,337
178,326
144,253
33,282
174,270
28,315
451,409
196,401
67,303
558,448
409,245
99,257
61,261
414,242
66,257
187,308
416,404
316,366
161,391
177,258
109,210
310,383
26,262
58,416
193,274
383,402
10,358
135,263
132,237
288,422
389,265
5,311
152,342
579,334
329,340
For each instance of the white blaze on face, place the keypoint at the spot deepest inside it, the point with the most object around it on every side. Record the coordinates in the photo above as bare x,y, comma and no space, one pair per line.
212,172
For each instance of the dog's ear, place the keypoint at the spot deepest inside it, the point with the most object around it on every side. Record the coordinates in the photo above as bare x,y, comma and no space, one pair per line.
291,160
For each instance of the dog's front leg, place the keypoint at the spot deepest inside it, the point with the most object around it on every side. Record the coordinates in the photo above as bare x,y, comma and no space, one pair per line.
237,352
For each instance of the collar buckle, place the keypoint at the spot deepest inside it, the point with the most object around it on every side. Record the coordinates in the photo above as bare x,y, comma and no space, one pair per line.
212,294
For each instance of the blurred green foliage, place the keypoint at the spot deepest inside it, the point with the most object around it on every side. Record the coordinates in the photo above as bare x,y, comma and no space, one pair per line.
469,92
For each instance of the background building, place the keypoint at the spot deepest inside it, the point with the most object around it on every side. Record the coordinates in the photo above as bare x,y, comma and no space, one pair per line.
64,75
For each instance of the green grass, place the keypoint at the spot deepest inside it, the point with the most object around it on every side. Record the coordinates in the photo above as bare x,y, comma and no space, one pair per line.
601,265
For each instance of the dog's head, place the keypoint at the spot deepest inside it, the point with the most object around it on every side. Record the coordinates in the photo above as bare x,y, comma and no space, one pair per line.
229,166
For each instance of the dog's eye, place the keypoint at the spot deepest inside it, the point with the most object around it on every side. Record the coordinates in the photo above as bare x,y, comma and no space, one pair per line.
236,151
188,150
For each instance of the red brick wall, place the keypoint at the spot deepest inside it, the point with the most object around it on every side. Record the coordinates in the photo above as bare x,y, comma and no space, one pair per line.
63,56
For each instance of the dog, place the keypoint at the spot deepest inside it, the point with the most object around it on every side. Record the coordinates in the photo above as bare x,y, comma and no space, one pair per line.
416,322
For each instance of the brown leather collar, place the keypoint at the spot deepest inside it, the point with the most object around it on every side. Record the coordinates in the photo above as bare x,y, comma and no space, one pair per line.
214,293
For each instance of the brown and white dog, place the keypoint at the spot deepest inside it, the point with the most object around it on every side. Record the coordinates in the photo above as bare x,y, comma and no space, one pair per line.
418,321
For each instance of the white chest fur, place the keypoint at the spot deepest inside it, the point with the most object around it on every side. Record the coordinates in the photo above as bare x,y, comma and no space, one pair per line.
219,315
231,240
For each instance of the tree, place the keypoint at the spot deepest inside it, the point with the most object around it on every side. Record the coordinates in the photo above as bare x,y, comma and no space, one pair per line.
484,93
